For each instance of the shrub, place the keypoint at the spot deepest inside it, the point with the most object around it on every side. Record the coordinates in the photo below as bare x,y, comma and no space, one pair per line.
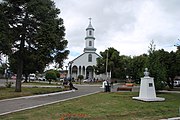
50,75
8,84
80,77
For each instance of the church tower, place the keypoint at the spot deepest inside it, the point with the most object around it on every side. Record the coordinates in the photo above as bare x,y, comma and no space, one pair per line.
83,64
89,47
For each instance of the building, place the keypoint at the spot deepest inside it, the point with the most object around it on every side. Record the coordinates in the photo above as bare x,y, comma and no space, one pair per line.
83,64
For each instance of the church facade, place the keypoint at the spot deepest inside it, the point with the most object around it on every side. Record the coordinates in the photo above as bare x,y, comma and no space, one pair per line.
83,64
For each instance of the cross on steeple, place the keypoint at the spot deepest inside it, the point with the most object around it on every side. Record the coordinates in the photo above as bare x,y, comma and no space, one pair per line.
90,20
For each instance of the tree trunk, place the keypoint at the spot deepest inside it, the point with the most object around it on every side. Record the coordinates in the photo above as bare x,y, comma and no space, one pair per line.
19,76
170,83
26,78
21,56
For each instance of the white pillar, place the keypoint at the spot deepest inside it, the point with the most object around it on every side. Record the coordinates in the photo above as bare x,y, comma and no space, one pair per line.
77,71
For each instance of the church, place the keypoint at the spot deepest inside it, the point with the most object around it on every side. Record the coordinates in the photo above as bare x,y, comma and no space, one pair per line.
83,64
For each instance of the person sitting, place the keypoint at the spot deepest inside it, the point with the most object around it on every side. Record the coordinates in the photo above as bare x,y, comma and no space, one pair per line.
71,86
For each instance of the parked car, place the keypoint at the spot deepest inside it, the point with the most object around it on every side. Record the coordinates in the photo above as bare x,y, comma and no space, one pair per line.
14,77
86,81
177,83
32,77
61,79
42,78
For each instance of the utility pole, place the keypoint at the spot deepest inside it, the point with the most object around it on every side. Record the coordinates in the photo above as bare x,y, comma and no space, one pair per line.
107,65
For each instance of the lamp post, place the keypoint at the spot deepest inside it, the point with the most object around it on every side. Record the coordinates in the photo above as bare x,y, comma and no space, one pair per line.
70,68
125,72
107,65
6,69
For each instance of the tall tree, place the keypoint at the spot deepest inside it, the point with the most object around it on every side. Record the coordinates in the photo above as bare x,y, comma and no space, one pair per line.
138,63
109,61
34,26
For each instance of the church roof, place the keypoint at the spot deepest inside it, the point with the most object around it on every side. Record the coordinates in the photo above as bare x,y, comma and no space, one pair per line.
85,53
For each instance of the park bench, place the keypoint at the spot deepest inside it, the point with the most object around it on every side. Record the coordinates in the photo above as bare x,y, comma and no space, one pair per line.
126,87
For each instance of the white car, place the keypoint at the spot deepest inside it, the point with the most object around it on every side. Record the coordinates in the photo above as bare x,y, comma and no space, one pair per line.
61,79
42,78
32,77
86,81
177,83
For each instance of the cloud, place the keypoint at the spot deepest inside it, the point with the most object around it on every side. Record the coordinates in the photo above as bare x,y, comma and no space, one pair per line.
126,25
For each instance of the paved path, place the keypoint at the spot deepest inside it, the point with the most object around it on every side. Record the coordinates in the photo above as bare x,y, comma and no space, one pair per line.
13,105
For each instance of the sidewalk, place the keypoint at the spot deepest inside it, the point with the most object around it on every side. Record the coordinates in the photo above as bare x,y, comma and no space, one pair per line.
23,103
166,91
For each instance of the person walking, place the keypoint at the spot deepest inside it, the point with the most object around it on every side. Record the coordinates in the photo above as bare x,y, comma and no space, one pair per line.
107,87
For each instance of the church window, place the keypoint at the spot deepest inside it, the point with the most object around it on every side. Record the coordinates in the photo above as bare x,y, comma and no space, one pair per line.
90,32
90,43
90,58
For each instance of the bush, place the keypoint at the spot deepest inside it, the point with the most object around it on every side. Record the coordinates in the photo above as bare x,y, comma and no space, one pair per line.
80,77
50,75
8,84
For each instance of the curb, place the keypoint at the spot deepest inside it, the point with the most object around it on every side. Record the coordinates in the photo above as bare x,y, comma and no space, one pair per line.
166,91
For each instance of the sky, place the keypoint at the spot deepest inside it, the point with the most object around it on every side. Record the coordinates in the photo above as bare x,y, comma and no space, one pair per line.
126,25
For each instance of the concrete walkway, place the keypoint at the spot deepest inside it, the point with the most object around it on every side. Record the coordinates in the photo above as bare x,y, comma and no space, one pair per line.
22,103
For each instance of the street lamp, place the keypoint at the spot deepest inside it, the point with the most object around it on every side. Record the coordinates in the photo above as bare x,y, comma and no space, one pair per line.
70,68
107,65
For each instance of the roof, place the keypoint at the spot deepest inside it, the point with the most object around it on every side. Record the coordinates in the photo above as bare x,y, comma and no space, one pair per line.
85,53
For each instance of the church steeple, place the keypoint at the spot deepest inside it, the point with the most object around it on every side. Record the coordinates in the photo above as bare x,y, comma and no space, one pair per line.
89,38
90,26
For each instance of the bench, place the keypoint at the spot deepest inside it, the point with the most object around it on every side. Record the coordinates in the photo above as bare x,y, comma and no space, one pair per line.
123,88
126,87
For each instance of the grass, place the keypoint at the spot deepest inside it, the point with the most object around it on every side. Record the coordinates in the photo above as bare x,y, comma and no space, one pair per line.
103,106
10,92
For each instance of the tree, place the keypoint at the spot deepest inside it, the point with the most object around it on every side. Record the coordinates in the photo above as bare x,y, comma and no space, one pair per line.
109,57
50,75
137,65
173,66
57,73
125,67
157,66
31,64
178,61
34,26
80,77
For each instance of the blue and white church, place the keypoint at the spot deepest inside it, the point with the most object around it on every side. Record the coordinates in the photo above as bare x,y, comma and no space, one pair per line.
83,64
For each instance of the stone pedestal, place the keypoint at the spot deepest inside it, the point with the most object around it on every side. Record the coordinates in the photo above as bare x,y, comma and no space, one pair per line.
147,90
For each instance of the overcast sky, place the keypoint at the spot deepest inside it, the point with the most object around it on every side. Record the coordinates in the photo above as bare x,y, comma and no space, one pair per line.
127,25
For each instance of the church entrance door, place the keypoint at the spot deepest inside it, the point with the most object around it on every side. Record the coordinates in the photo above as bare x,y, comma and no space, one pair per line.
89,72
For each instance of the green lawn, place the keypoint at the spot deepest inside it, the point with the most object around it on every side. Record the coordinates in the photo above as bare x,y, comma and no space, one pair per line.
10,92
103,106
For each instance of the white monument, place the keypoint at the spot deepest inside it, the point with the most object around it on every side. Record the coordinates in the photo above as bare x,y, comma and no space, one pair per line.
147,89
